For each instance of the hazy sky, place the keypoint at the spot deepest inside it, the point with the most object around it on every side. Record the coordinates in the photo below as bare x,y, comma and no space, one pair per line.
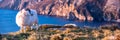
0,0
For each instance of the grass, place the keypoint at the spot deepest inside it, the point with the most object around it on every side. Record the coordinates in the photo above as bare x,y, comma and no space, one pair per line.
51,32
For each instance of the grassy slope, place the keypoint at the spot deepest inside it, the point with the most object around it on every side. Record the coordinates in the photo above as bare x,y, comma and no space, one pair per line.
48,32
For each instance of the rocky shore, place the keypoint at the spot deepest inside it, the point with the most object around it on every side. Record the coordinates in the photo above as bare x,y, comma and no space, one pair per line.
84,10
66,32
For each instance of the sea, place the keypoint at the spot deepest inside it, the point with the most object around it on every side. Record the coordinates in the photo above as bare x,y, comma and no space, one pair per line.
8,22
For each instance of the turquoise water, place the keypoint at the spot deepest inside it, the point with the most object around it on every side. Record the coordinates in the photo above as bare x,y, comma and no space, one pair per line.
7,21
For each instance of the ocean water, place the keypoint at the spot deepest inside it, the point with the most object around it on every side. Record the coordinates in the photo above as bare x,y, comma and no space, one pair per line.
7,21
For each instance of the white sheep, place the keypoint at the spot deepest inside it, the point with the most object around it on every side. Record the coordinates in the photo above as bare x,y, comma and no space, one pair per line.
26,18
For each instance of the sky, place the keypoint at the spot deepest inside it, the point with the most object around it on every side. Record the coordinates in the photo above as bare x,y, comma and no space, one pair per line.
0,0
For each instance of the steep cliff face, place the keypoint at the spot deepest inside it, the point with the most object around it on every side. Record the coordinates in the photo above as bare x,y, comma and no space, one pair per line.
84,10
112,10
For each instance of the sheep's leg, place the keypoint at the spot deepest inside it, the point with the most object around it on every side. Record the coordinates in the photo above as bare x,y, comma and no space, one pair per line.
36,24
24,28
31,28
20,29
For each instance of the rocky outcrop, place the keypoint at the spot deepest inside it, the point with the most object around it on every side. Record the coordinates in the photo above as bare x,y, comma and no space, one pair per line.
84,10
112,10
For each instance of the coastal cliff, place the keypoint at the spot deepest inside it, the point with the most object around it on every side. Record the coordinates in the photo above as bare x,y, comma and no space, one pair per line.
83,10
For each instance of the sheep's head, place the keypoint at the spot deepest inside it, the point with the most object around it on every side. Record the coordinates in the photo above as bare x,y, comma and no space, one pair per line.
27,10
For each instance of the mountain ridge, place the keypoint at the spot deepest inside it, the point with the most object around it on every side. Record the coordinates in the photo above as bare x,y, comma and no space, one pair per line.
83,10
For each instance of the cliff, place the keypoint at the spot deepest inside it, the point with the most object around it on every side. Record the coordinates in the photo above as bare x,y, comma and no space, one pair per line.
83,10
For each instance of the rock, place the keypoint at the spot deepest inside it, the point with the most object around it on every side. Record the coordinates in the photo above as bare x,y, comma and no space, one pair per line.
95,10
70,26
81,17
89,18
111,10
71,16
90,10
110,27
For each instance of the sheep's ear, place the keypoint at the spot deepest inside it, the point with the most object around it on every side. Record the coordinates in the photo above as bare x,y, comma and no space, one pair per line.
22,11
25,13
34,11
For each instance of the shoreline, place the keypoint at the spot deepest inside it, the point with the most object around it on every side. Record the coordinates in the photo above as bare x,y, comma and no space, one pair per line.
113,21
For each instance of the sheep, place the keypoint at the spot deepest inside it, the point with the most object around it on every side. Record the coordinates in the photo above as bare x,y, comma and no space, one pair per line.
26,18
